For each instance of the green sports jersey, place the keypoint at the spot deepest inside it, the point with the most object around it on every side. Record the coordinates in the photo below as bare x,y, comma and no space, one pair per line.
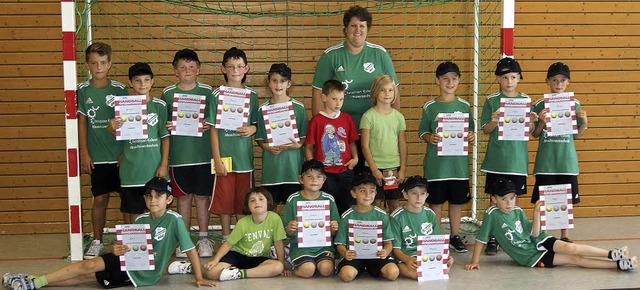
438,168
503,156
141,158
375,214
231,143
166,231
513,233
556,154
97,104
356,72
291,214
255,240
407,226
383,136
285,167
188,150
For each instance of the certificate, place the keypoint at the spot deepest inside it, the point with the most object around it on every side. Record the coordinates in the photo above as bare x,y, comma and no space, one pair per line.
432,257
233,108
187,115
561,114
314,229
514,119
556,209
365,237
280,124
132,111
139,255
454,130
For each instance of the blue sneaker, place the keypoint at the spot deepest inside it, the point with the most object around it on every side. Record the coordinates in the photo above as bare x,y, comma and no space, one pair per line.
22,283
9,277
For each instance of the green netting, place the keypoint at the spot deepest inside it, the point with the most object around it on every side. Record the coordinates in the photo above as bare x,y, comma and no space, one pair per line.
417,34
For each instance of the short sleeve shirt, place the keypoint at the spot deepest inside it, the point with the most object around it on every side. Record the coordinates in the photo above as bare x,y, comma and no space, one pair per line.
355,72
291,213
439,168
383,133
331,139
375,214
188,150
255,240
97,104
407,226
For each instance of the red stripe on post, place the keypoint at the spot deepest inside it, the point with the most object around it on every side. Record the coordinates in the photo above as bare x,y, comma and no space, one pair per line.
74,212
506,41
71,105
68,46
72,162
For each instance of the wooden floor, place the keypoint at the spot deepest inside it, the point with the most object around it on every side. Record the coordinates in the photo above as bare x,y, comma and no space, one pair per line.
38,254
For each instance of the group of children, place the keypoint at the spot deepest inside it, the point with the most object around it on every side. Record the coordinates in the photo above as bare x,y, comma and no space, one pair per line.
330,152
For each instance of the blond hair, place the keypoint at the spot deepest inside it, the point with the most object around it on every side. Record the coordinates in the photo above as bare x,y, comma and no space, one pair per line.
378,83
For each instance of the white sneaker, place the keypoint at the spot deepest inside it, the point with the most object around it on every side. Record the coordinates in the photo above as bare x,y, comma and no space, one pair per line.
180,267
231,273
618,254
205,247
95,250
628,264
180,254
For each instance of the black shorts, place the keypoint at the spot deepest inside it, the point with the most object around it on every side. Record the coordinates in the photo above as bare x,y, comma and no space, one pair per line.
193,179
372,266
546,261
132,200
339,186
386,194
111,276
519,181
105,178
452,191
281,192
241,261
360,167
543,179
315,260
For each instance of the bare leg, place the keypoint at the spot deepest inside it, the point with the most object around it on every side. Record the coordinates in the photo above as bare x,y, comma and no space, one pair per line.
99,215
306,270
564,233
390,271
437,208
586,262
184,208
561,247
326,267
129,218
455,213
214,273
76,273
393,204
405,271
202,210
225,221
268,268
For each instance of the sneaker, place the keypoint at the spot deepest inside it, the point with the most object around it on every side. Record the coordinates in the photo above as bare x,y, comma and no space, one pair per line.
619,254
180,254
566,240
95,250
205,248
22,283
492,247
628,264
231,273
457,244
180,267
9,277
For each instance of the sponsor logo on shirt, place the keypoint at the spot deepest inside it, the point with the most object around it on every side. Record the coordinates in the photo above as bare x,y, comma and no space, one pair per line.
340,69
89,101
406,229
346,84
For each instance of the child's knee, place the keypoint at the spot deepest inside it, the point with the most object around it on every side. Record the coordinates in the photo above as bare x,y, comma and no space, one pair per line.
212,274
326,268
93,265
306,270
390,271
347,274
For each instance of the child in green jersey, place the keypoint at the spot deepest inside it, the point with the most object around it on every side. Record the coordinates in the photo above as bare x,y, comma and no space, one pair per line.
245,254
167,229
309,259
529,246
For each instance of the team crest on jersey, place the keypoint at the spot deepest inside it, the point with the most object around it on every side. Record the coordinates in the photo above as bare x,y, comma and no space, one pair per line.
369,67
152,119
426,228
519,227
159,233
110,100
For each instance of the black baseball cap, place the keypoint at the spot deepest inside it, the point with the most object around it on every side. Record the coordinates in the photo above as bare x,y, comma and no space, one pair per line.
363,178
413,182
559,68
158,184
140,69
508,65
312,164
447,67
502,187
281,69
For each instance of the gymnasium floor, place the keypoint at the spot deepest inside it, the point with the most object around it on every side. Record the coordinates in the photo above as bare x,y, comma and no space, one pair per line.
38,254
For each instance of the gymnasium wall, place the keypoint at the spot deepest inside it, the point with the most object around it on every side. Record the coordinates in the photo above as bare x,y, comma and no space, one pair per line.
602,56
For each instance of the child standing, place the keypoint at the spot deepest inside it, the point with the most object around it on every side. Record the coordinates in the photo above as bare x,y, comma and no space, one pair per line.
146,158
525,243
331,140
448,176
508,74
557,160
307,260
99,150
245,254
190,157
283,161
167,230
229,187
410,221
364,191
383,140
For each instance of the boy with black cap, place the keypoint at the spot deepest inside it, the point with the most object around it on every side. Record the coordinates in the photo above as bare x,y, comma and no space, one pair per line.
557,160
448,176
364,191
504,158
529,246
167,230
283,161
